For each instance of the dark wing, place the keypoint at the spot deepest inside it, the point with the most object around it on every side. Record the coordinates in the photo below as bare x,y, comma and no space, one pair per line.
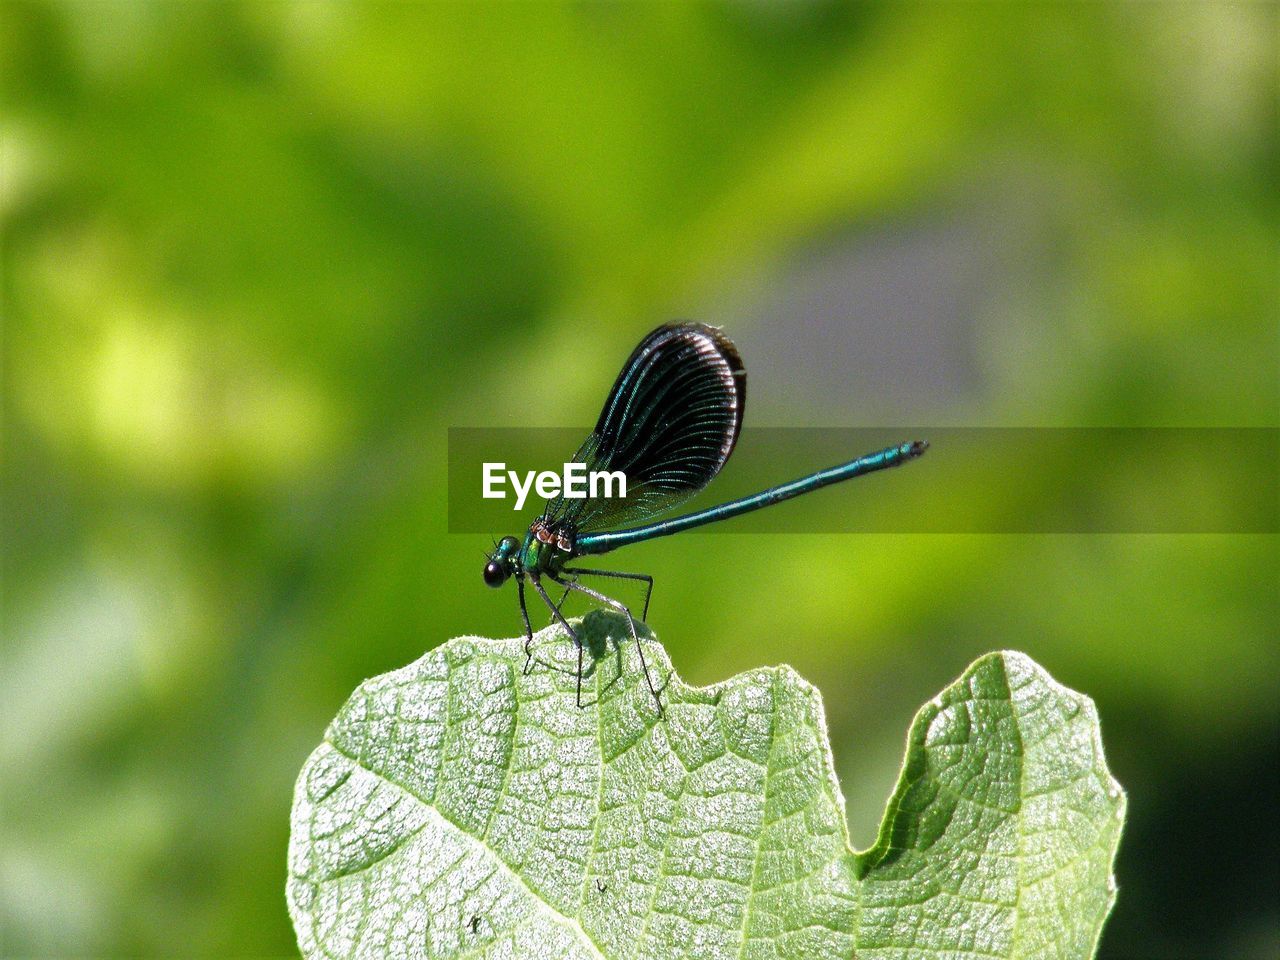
669,425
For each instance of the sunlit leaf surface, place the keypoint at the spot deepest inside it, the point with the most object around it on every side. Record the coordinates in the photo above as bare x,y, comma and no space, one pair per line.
459,808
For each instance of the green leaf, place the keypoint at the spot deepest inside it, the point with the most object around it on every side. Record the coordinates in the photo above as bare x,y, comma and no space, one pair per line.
459,808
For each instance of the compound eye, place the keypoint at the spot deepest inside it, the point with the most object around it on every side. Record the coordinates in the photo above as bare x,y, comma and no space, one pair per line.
495,574
508,545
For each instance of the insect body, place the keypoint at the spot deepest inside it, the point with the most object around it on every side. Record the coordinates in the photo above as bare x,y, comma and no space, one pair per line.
669,424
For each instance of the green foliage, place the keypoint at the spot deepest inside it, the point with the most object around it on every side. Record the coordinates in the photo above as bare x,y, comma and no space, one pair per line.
461,808
258,257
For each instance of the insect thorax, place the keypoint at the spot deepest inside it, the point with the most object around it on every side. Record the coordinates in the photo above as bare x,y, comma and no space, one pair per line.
549,544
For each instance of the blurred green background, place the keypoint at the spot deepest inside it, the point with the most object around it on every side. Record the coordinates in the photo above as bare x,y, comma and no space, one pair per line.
259,257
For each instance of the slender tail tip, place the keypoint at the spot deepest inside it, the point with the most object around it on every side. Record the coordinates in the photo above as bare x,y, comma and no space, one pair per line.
917,448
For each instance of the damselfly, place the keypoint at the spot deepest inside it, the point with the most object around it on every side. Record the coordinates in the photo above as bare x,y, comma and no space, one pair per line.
669,424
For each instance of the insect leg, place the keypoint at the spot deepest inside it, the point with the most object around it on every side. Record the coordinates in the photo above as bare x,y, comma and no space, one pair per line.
563,597
621,608
555,612
648,592
528,628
